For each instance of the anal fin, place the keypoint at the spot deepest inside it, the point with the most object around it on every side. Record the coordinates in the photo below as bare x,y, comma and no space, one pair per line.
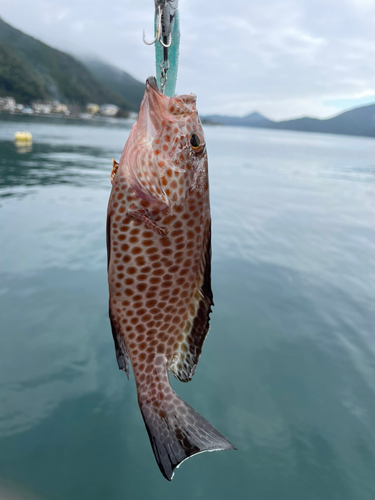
121,354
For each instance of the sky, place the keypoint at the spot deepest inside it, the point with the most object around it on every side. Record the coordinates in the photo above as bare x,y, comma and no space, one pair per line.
282,58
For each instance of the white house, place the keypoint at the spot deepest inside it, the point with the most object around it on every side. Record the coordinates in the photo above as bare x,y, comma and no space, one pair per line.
7,104
109,110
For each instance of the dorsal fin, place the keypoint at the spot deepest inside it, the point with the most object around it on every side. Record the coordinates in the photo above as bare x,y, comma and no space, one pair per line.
187,354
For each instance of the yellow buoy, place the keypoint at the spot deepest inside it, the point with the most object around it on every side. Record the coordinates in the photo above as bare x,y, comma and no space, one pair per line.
23,137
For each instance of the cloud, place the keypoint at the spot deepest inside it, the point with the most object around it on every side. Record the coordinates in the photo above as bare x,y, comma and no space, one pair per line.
284,58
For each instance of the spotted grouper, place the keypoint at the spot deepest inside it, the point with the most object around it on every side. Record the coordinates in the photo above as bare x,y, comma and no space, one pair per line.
159,269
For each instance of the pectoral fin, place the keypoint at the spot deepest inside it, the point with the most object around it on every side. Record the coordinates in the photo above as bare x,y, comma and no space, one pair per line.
143,217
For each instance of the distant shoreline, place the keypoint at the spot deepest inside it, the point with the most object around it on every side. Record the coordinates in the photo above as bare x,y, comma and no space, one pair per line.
110,119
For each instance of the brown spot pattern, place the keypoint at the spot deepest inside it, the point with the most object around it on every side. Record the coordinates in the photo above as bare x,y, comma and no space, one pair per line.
159,267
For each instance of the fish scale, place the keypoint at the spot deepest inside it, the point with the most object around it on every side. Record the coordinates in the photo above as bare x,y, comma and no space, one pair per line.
159,257
155,272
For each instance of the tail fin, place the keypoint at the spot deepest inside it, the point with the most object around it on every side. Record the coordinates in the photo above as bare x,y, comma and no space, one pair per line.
176,430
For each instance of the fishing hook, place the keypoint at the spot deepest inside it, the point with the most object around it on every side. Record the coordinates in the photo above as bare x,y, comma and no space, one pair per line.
158,29
165,14
170,41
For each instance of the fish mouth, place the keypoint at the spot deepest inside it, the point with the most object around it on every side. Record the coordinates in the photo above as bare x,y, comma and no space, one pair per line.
169,108
154,109
151,82
157,101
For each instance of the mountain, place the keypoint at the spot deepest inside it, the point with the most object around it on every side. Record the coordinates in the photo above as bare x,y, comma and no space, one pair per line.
117,80
30,69
17,79
252,120
358,121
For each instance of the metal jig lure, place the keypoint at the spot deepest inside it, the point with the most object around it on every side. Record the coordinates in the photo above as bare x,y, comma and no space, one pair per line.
166,41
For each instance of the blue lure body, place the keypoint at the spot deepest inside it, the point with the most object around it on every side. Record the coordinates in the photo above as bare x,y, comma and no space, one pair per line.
173,53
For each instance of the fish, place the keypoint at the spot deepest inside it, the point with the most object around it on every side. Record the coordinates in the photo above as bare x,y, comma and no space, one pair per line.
159,270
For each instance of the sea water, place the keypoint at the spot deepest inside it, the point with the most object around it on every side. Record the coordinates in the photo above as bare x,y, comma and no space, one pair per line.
288,370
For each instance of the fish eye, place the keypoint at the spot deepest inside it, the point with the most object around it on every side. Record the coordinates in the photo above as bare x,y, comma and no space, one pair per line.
196,142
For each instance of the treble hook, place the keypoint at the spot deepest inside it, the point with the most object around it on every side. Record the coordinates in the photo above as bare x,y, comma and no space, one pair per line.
166,45
165,15
158,30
